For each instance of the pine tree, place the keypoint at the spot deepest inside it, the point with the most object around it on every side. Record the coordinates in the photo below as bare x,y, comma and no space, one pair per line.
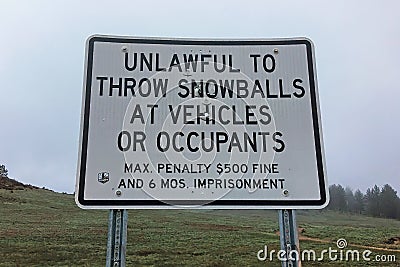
337,198
350,200
3,171
398,210
388,202
359,206
372,197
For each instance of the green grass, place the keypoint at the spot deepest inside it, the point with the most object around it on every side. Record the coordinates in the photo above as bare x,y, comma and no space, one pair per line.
43,228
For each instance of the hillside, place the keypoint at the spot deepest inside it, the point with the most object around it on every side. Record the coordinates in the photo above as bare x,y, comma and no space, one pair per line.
42,228
11,184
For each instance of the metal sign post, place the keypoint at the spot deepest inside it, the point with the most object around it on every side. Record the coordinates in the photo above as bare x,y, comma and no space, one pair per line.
289,238
117,237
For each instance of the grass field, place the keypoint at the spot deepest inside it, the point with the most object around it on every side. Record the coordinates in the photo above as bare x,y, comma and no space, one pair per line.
42,228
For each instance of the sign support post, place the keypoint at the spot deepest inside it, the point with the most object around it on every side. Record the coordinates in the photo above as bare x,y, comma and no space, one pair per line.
289,237
117,238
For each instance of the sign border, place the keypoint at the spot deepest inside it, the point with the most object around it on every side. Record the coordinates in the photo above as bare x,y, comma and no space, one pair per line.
211,204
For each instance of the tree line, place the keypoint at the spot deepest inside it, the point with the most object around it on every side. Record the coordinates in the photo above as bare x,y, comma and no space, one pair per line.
376,202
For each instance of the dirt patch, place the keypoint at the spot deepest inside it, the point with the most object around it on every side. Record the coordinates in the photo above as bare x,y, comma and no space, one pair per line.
302,237
9,199
393,241
219,227
11,184
146,252
10,233
300,231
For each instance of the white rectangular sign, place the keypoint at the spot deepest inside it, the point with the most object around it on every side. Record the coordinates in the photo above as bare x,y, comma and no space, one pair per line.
200,123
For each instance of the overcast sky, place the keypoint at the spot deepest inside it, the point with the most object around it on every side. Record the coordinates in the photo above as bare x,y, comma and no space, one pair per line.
357,55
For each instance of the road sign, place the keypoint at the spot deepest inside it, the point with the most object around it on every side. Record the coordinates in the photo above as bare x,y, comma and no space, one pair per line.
200,123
